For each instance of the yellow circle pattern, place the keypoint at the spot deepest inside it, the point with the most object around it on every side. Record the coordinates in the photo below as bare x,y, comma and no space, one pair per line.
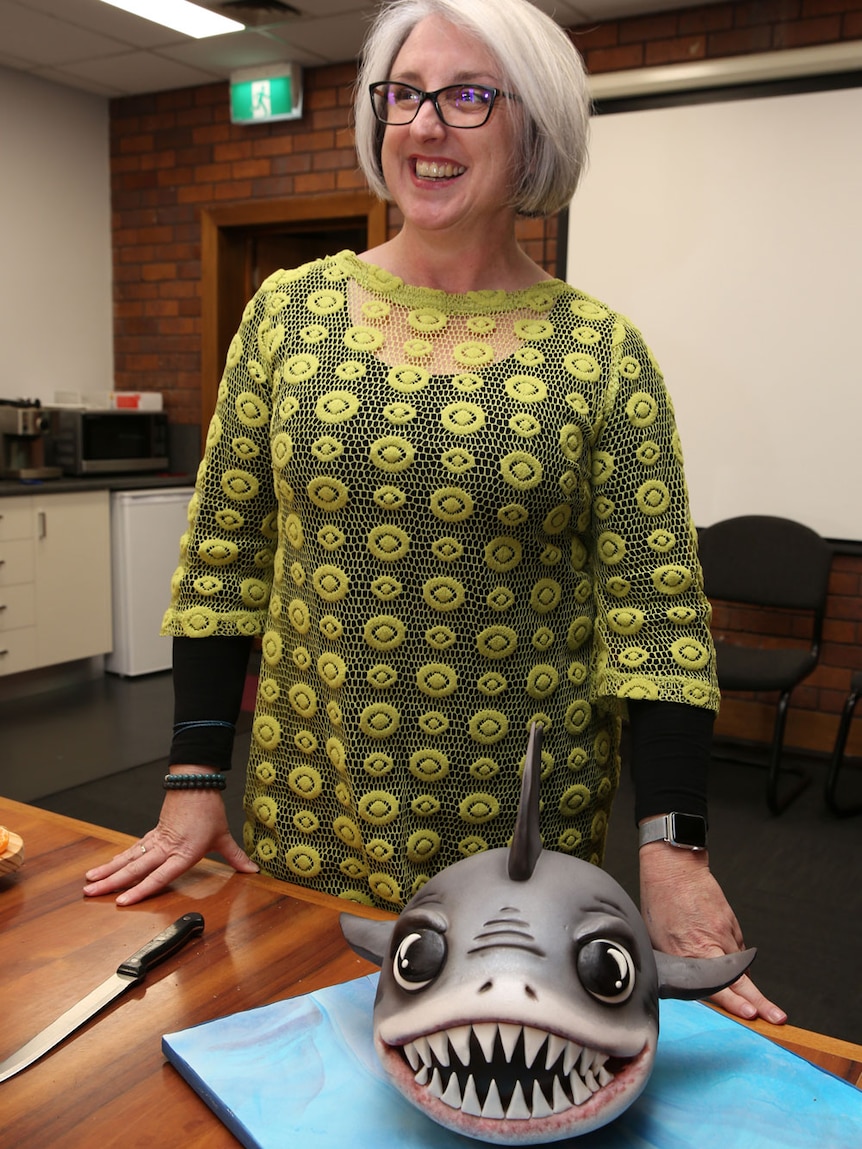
445,517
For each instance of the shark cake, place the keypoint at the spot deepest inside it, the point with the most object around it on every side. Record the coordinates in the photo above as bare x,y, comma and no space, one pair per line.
518,993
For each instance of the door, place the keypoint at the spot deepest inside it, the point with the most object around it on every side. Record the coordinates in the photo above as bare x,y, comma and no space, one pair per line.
242,244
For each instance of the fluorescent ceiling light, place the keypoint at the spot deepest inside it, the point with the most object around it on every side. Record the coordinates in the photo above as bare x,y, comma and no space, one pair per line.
181,16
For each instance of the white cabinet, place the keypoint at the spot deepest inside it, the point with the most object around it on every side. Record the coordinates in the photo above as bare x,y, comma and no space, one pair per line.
55,579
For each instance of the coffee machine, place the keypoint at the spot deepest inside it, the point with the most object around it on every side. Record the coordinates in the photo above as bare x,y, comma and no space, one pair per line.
23,424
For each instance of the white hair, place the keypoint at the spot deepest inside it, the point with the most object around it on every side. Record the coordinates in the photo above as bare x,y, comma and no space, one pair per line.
537,60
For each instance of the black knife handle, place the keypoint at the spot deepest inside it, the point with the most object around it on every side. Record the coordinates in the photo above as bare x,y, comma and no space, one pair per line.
162,946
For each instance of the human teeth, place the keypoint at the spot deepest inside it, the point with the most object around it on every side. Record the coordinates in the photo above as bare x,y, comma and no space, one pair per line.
518,1110
493,1107
509,1035
439,1043
471,1103
432,169
460,1041
485,1035
541,1108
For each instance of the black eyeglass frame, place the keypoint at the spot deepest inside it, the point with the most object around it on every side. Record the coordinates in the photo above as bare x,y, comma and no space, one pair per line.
434,98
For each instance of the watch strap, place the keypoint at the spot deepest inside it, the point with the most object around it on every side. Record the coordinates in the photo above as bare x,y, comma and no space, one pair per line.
668,827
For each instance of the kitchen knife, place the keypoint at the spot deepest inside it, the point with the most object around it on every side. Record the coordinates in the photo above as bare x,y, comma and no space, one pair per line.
132,971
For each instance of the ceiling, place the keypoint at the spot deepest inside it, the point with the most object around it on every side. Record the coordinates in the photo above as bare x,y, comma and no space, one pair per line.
91,46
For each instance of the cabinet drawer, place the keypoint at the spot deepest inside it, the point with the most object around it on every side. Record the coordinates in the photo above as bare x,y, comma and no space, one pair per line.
17,606
18,650
17,562
16,519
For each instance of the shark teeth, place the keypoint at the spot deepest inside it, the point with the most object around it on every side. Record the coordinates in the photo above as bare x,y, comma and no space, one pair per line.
503,1071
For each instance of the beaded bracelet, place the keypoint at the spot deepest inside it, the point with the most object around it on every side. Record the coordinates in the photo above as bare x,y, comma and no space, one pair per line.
195,782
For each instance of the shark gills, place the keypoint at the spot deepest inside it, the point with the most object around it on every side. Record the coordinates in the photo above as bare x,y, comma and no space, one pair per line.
501,1071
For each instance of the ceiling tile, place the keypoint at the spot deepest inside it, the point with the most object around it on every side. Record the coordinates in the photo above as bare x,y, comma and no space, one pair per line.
226,53
328,40
95,16
36,36
131,72
79,83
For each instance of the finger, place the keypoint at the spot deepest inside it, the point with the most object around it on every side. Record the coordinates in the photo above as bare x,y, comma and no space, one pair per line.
154,882
127,875
125,869
735,1003
236,856
744,999
118,862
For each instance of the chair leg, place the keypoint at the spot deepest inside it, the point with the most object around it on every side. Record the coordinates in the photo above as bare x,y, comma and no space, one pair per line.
831,787
775,803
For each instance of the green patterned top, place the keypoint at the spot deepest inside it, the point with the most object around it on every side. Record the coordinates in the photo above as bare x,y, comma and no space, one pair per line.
447,516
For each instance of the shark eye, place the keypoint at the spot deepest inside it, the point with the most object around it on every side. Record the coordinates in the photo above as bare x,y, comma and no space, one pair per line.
419,958
606,971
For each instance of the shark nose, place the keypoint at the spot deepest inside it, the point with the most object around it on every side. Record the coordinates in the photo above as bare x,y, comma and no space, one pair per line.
528,990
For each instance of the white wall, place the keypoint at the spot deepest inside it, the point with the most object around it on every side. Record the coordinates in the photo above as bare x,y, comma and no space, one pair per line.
731,234
56,326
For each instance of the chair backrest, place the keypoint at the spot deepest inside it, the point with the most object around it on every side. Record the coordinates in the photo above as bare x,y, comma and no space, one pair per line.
767,561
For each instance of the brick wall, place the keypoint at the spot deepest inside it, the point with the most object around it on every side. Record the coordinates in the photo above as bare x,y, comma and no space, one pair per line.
175,152
717,30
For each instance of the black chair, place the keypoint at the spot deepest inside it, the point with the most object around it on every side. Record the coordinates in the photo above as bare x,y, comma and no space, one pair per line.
776,563
830,791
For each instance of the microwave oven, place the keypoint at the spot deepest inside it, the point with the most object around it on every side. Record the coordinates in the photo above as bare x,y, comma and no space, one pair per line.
107,442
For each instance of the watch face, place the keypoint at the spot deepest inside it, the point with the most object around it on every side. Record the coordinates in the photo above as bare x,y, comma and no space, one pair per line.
688,830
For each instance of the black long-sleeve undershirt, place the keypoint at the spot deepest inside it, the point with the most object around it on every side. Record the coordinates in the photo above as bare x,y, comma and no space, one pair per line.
670,742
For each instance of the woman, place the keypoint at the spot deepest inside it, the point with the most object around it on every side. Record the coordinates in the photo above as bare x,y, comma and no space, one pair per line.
446,490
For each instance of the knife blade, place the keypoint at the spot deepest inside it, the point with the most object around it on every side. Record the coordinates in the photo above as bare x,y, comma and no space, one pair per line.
133,970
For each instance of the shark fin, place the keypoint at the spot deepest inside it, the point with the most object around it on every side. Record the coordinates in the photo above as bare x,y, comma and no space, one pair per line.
526,845
368,938
693,978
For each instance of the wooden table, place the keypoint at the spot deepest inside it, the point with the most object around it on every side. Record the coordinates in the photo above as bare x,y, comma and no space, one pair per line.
109,1084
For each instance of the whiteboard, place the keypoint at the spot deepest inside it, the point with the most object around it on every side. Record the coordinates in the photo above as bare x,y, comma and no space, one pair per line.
730,233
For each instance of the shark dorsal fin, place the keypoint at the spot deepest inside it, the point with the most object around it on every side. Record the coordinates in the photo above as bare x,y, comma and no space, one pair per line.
526,843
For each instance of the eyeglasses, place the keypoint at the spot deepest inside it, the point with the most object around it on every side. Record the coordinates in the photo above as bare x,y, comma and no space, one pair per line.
457,105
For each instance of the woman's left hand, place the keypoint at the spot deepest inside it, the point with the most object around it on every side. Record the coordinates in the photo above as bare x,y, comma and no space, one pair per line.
687,914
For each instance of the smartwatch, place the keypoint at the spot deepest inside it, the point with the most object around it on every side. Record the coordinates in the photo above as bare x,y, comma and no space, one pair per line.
687,831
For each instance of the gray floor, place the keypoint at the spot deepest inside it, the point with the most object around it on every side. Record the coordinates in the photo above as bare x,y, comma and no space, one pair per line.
794,880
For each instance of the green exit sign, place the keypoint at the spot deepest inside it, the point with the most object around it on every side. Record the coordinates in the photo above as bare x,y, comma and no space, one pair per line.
261,95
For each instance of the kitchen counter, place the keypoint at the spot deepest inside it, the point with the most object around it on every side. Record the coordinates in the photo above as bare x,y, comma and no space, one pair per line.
67,483
109,1085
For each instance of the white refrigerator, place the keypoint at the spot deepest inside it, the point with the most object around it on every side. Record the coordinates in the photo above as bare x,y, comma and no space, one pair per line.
146,526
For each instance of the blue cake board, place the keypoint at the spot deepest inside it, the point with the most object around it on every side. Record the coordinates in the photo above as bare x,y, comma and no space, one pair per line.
302,1073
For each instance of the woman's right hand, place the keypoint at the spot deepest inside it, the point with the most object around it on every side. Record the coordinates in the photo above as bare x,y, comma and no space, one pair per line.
191,824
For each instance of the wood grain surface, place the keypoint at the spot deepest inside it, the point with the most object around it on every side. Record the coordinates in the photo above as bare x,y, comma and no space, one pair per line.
109,1084
12,856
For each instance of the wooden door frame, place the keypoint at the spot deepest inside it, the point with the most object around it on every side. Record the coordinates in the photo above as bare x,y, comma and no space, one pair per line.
216,225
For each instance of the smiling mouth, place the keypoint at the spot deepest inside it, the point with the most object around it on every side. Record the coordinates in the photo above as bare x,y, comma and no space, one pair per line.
433,170
512,1072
